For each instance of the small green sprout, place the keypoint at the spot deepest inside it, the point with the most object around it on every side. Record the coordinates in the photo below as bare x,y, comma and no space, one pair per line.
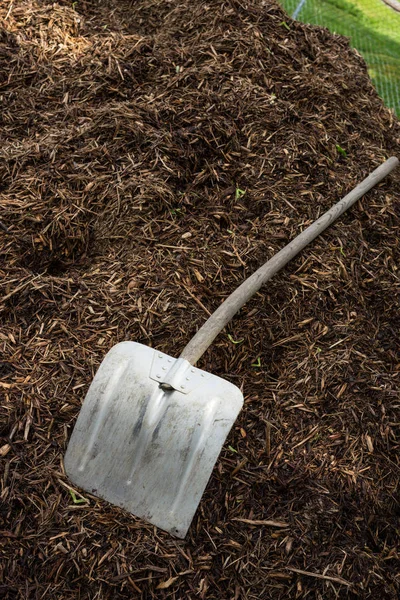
76,500
257,363
176,212
239,193
341,150
285,25
235,341
233,449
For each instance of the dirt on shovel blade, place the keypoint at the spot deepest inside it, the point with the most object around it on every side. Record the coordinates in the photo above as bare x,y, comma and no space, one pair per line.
152,155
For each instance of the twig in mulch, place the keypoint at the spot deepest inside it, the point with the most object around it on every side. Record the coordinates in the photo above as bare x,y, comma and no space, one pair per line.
319,576
267,523
197,300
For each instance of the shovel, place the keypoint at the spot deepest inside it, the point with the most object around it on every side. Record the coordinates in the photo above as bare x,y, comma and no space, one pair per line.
152,426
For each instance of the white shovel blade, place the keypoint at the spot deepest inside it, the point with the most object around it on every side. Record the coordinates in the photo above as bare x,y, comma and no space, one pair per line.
148,450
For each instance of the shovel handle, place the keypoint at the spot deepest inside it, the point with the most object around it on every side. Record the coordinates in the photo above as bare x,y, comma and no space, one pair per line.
217,321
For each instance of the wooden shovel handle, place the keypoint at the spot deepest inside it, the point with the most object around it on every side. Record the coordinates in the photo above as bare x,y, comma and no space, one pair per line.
217,321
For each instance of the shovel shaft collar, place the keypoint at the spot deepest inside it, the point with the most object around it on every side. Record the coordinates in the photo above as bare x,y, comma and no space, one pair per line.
176,373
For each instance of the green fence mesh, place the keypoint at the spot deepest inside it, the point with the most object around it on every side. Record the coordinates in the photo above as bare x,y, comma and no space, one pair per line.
373,27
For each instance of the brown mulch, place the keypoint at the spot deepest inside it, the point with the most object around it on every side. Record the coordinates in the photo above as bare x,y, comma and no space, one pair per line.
127,130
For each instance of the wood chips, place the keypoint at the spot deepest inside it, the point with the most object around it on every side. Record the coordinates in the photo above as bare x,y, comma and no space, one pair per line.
152,155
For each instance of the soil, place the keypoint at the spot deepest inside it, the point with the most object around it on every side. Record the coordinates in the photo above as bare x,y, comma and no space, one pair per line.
153,154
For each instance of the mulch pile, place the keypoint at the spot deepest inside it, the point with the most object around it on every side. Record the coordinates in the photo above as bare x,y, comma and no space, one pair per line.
152,155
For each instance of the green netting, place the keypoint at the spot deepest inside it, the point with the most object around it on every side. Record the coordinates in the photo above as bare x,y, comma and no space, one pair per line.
374,30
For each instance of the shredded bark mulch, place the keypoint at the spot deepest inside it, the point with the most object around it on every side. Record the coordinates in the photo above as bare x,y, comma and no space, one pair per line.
152,155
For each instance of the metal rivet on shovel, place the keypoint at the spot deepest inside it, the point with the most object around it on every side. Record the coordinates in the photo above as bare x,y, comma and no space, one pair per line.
147,441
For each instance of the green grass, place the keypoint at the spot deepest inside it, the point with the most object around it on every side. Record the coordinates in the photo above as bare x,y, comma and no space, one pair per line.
373,29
